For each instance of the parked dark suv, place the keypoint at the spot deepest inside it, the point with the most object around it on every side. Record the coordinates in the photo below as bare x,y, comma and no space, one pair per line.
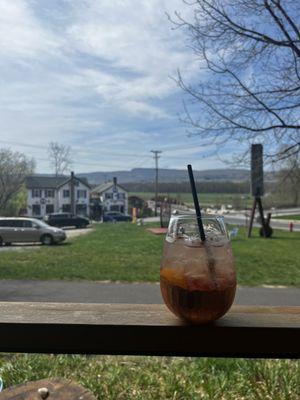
66,219
112,216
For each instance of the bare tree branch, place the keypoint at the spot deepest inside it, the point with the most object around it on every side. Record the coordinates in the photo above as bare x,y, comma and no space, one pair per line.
287,17
250,90
60,158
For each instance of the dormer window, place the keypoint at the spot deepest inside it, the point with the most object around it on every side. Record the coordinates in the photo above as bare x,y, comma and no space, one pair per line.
49,193
36,193
81,194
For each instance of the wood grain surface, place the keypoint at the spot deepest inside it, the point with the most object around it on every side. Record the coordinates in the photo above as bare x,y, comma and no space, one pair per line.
246,331
52,389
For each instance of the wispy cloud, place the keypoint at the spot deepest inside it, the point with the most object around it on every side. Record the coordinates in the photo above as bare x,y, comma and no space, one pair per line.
23,36
94,75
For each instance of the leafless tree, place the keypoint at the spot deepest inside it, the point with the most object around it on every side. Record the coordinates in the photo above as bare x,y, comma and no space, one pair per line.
60,158
288,180
14,167
249,74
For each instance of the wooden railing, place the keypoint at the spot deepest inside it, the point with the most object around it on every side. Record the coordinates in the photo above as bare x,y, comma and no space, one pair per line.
246,331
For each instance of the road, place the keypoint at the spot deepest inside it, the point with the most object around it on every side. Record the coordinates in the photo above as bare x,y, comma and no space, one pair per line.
135,293
239,219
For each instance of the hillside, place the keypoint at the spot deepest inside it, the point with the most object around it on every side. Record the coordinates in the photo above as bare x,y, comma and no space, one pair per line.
166,175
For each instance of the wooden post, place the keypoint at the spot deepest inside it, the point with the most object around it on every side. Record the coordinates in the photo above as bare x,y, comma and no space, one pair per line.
261,213
252,217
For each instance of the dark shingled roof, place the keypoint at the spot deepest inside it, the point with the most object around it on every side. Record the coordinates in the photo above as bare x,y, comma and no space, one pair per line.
49,181
105,186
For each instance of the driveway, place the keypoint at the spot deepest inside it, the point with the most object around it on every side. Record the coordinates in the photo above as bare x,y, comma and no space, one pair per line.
71,233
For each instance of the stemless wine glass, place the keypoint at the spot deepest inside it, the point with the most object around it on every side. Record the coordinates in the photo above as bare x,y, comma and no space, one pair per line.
197,278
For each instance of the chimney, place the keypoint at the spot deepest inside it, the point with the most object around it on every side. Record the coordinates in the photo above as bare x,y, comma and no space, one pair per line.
115,181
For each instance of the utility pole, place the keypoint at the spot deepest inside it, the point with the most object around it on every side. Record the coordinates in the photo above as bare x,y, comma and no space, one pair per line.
156,157
72,194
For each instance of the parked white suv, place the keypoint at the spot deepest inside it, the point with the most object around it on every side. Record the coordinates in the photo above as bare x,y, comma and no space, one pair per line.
28,230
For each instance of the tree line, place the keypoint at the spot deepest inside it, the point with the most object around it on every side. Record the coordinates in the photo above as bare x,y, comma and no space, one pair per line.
15,166
184,187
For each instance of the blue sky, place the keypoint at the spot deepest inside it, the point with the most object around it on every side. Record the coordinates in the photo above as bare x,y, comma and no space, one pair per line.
96,75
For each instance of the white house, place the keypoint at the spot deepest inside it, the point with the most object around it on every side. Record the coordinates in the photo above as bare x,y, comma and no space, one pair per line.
112,196
53,194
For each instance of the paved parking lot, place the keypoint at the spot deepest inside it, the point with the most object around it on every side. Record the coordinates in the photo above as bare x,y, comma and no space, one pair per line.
71,233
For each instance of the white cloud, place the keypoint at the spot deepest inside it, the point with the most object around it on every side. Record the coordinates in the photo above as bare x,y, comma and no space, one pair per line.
88,73
22,35
134,37
132,34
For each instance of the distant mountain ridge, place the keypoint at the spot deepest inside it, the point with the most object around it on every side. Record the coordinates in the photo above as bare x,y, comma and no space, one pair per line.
143,175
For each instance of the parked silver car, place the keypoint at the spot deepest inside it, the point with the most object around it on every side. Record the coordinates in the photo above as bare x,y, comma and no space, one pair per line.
29,230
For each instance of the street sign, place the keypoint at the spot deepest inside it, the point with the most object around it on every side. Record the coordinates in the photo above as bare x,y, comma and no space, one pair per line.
257,174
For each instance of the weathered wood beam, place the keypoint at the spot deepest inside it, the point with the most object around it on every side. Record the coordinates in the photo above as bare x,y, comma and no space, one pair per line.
246,331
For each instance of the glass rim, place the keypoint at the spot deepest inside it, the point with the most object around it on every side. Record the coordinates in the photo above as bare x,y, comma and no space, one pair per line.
194,216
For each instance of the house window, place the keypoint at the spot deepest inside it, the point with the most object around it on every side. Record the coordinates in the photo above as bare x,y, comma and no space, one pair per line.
36,193
66,208
81,194
66,193
108,195
49,193
49,208
36,210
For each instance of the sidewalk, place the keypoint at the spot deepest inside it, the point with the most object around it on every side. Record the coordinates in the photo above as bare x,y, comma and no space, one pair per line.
134,293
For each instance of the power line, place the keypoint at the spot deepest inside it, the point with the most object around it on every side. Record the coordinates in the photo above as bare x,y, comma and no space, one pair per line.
156,157
35,146
104,153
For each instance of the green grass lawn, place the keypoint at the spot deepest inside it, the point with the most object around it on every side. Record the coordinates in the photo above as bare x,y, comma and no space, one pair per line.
127,252
289,217
146,378
206,199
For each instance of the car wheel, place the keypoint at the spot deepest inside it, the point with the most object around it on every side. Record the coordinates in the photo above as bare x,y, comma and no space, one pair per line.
7,243
47,240
1,241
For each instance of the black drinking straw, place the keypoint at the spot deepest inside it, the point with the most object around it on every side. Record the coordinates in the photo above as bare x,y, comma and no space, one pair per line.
196,203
